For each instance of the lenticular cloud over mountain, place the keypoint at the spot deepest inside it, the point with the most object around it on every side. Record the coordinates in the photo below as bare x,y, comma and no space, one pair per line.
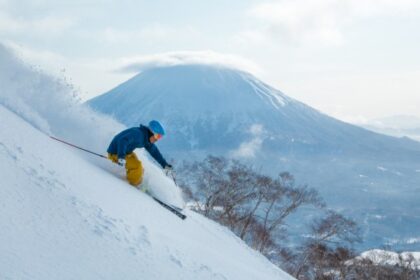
142,63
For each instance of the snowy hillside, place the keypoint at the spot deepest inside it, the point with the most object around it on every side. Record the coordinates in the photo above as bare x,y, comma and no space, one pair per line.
382,257
67,215
210,109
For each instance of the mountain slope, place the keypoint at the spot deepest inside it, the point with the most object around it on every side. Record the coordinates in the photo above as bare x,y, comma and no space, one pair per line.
64,217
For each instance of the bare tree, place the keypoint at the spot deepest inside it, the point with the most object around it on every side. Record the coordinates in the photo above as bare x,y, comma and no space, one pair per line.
238,195
253,205
384,266
282,199
205,182
323,256
262,185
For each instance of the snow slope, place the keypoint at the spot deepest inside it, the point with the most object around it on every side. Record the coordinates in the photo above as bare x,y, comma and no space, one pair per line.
382,257
67,215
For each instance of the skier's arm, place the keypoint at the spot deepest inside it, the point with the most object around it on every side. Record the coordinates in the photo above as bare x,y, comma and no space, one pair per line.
122,147
154,152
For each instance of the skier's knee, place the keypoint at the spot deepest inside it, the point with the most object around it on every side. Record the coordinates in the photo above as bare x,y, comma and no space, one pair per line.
135,177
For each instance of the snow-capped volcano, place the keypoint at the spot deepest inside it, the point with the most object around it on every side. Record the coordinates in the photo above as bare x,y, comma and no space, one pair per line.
215,110
197,90
197,103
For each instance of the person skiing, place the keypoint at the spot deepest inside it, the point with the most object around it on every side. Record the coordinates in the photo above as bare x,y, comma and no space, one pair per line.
121,149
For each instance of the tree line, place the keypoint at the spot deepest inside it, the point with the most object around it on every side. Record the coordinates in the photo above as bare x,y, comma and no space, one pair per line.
256,207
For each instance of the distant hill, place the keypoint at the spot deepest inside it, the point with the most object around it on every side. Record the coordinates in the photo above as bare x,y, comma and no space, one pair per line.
398,126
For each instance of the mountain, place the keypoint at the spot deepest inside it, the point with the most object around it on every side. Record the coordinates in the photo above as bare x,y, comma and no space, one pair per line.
213,108
67,215
218,110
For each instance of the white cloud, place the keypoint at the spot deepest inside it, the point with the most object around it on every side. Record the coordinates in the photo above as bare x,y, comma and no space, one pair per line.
250,148
50,25
302,21
250,37
154,33
257,130
323,21
141,63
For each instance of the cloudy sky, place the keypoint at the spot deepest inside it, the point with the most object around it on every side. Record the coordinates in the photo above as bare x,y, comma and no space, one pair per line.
354,60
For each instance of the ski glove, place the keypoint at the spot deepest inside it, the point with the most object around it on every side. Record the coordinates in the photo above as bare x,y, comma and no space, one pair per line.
121,162
168,167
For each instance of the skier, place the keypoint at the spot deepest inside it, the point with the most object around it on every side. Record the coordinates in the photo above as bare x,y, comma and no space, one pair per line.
121,149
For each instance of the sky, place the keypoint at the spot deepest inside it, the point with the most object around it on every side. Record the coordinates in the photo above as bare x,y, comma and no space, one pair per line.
353,60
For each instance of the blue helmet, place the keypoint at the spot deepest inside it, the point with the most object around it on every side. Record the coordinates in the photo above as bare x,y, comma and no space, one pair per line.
156,127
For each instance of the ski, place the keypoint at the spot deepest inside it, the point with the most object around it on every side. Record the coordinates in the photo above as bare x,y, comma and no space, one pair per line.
175,210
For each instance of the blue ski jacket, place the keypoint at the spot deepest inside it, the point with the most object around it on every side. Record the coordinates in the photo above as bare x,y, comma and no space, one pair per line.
127,141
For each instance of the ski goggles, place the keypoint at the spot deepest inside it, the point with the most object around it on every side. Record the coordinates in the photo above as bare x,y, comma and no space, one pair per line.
158,136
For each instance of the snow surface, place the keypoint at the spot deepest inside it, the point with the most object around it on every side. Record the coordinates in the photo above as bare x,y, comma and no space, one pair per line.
67,215
383,257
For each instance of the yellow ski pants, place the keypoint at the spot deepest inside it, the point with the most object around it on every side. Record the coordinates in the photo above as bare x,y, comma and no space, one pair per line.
133,167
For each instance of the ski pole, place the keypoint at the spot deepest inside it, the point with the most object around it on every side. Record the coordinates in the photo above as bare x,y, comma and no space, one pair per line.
77,147
171,174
